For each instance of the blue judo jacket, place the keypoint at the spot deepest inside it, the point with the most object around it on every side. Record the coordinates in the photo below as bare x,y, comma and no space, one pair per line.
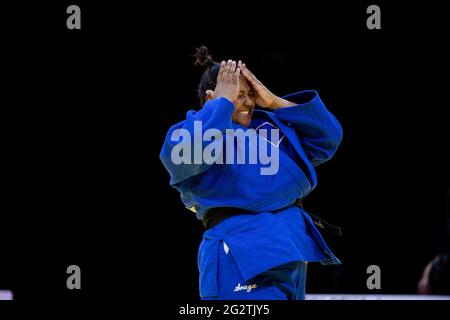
261,241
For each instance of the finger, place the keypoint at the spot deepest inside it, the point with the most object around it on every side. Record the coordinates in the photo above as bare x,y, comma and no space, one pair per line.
236,75
244,69
241,66
248,74
222,69
226,71
232,69
245,72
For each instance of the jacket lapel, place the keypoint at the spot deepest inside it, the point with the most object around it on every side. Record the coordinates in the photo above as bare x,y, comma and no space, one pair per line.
291,135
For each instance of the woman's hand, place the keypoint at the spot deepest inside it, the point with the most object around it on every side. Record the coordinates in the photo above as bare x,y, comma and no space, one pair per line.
227,85
263,96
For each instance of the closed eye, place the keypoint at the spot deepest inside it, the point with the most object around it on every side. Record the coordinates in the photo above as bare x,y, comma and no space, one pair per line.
242,94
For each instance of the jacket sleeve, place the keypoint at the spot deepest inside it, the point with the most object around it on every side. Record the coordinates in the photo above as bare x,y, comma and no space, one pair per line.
318,130
215,114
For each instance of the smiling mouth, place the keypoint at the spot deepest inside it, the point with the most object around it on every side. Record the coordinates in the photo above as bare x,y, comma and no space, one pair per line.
244,116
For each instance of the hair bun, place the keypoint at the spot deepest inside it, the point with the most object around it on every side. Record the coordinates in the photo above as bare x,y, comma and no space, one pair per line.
203,58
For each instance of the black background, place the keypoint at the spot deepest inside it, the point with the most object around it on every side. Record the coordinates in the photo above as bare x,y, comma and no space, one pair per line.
84,114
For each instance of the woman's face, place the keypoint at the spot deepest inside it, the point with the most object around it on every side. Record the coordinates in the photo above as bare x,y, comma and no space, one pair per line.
245,103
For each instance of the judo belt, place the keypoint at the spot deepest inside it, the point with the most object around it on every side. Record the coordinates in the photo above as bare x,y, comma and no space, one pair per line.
215,216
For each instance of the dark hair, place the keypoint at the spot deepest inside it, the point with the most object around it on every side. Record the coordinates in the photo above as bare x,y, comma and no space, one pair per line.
209,78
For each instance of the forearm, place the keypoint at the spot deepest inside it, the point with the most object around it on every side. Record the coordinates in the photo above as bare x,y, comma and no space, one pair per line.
319,131
309,115
181,155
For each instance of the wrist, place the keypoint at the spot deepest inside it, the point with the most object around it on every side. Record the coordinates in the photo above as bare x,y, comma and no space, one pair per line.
230,99
281,103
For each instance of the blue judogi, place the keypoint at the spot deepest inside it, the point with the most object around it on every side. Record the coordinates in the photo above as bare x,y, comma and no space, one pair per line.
259,243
